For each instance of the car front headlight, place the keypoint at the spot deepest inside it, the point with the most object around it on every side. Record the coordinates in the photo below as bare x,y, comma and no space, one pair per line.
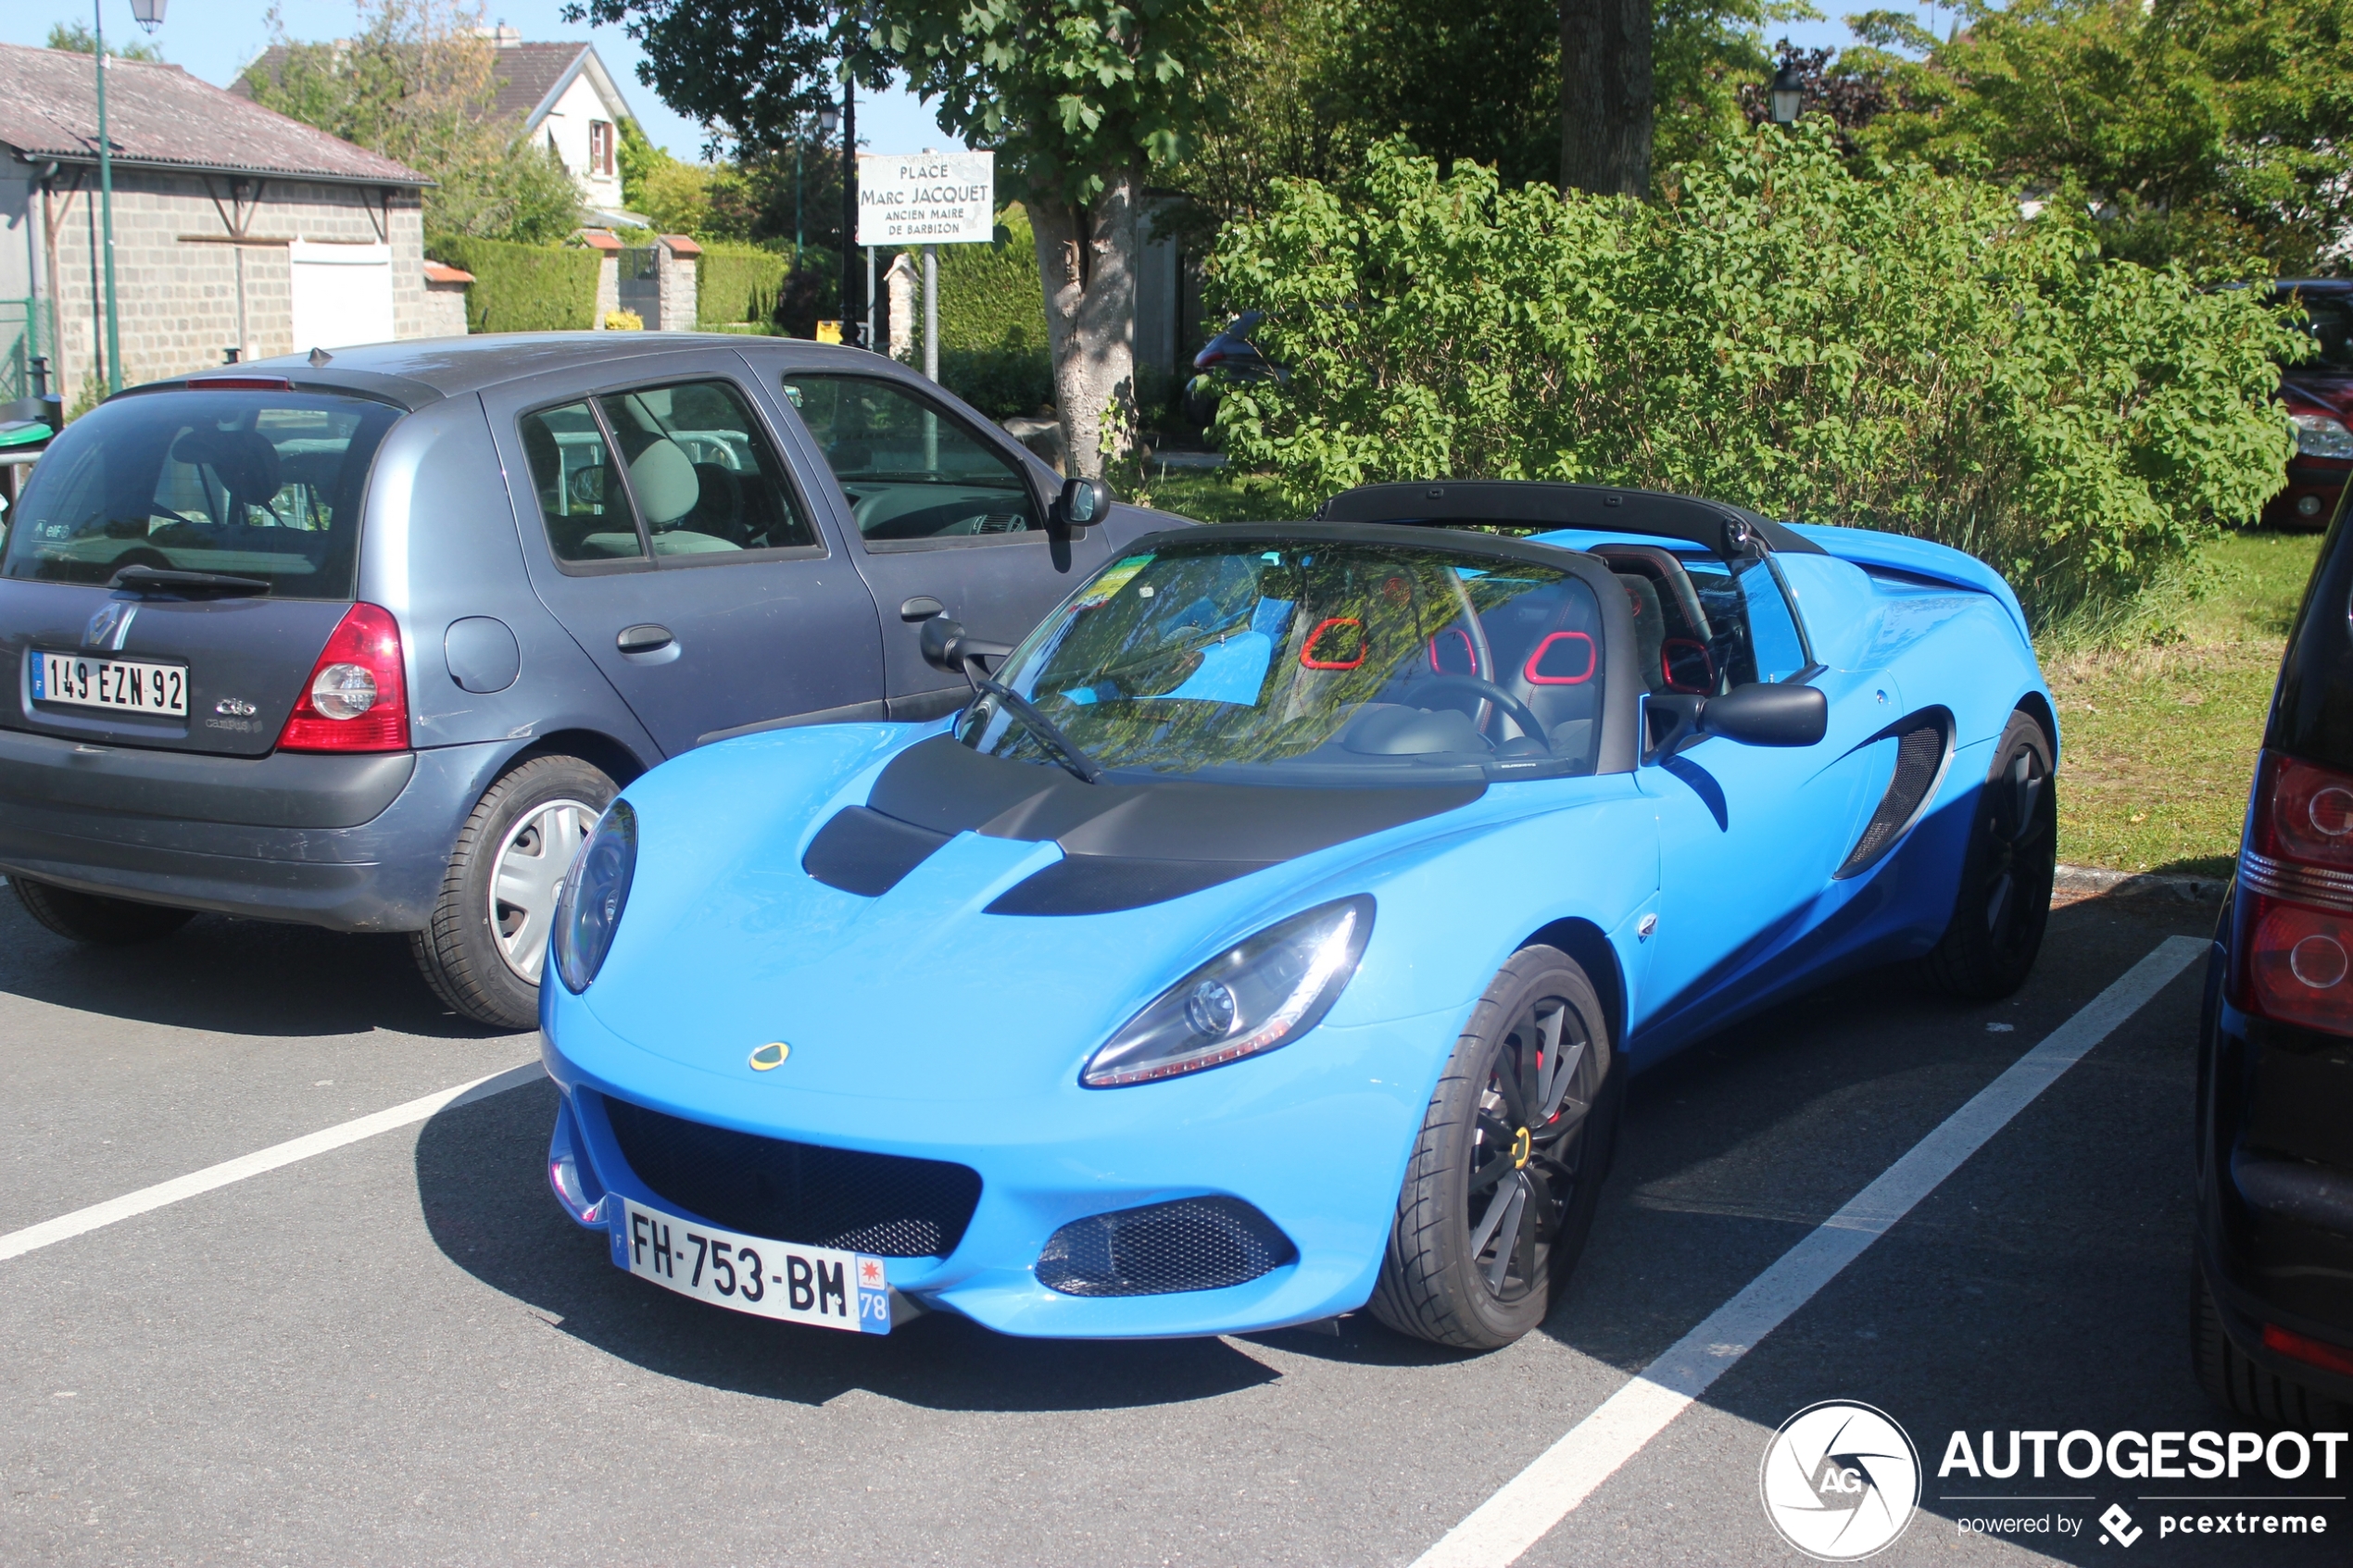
2317,435
1264,991
595,891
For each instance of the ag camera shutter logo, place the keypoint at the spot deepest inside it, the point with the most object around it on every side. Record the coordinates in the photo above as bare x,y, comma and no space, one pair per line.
1840,1480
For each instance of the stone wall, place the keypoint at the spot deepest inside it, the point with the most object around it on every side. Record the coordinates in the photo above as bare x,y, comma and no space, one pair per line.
181,277
445,310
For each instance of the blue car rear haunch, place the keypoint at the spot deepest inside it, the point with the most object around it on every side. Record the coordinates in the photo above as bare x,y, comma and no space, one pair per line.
1274,933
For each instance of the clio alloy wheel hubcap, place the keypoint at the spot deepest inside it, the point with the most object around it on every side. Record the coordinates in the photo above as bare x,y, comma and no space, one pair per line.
524,877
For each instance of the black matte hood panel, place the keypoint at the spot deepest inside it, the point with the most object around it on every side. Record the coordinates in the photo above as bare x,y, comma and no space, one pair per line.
1124,845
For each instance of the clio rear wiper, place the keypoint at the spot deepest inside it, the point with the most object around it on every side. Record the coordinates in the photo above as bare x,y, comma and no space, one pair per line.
1072,758
164,579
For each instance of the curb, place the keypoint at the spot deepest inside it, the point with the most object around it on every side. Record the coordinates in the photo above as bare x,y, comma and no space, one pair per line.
2075,884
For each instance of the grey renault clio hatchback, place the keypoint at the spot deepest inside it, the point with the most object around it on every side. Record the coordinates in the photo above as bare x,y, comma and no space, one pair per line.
368,640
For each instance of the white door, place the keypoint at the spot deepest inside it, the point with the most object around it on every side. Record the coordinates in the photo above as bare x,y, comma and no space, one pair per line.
342,294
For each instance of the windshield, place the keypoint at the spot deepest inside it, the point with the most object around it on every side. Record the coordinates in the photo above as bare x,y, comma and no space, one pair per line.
2327,323
1317,663
262,484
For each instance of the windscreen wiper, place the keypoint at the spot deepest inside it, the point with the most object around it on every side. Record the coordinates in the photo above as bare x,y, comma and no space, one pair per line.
164,579
1045,729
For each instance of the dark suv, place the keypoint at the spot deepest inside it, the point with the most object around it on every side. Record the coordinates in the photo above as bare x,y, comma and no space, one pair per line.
367,641
2273,1312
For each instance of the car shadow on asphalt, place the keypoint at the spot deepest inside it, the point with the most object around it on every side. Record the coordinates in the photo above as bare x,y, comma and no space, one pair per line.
485,1192
232,976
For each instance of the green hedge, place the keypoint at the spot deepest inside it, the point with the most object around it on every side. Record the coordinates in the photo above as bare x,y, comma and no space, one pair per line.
523,288
1000,383
990,296
737,282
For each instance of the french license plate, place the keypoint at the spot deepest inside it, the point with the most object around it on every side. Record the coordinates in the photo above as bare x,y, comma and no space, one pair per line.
128,684
750,1273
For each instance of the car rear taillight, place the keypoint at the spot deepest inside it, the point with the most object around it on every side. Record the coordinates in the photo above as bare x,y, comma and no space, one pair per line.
2294,919
356,699
2315,1352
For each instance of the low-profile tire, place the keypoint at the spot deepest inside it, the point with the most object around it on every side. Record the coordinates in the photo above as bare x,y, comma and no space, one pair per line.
1500,1190
93,918
2007,871
2243,1388
482,953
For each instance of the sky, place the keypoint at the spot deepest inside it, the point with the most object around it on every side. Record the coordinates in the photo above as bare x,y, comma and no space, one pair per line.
215,39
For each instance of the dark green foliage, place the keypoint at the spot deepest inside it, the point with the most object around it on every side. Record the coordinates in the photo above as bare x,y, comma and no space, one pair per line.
523,288
753,68
1000,383
738,283
988,295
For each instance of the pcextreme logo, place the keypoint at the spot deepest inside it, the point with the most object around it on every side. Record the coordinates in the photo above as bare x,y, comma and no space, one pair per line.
1840,1480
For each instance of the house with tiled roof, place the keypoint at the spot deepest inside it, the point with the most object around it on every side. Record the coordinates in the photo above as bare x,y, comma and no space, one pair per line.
559,94
237,232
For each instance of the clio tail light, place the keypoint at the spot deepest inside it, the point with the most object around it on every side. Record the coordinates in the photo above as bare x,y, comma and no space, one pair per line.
356,699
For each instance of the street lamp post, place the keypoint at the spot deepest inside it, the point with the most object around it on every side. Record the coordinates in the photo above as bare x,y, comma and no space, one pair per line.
850,311
1788,93
149,15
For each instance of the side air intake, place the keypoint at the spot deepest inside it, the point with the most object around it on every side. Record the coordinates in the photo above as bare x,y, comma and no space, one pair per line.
1923,747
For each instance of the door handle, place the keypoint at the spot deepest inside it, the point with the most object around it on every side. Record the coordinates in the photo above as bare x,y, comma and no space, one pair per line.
647,638
923,607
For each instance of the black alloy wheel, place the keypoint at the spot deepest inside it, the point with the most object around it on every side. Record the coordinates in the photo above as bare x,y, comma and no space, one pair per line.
2007,870
1500,1188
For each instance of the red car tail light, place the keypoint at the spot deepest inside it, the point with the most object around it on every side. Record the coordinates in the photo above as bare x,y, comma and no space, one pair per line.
2287,1342
356,699
2294,921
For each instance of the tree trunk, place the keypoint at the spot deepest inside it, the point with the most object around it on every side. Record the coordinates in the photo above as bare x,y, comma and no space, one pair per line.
1087,261
1605,96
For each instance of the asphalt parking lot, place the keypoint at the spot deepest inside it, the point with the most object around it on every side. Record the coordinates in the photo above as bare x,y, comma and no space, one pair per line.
398,1350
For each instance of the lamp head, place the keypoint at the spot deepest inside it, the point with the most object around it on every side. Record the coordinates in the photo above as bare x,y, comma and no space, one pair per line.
148,14
1788,93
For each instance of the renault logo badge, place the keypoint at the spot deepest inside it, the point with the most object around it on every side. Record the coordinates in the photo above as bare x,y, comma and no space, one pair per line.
773,1054
110,628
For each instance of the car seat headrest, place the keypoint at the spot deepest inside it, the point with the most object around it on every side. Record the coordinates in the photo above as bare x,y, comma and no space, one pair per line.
662,477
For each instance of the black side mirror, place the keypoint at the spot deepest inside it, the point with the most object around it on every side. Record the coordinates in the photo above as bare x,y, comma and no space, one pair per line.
945,646
1767,713
1083,503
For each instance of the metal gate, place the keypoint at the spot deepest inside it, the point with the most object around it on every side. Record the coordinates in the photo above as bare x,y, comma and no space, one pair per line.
20,344
640,284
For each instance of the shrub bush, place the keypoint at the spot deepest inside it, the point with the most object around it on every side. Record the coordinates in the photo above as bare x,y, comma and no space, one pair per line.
990,296
1898,351
737,282
1000,383
523,288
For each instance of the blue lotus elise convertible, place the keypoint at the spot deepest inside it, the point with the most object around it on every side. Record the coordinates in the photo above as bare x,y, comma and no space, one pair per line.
1274,933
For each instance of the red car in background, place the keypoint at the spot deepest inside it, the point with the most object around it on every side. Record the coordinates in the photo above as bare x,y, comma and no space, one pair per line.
2318,395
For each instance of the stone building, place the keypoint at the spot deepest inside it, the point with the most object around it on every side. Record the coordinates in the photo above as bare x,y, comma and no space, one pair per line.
237,230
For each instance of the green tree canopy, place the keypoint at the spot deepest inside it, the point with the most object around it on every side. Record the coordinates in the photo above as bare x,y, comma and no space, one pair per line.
77,38
2216,132
418,85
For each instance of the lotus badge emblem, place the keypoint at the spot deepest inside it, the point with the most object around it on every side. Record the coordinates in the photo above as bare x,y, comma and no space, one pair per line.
773,1054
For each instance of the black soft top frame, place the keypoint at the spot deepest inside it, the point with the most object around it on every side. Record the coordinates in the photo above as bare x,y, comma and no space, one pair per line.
1729,531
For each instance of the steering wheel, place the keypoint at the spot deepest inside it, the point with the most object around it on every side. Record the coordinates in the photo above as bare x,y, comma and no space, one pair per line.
1514,710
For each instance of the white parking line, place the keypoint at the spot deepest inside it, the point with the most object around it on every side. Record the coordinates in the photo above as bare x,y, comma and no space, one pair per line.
64,1227
1539,1497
